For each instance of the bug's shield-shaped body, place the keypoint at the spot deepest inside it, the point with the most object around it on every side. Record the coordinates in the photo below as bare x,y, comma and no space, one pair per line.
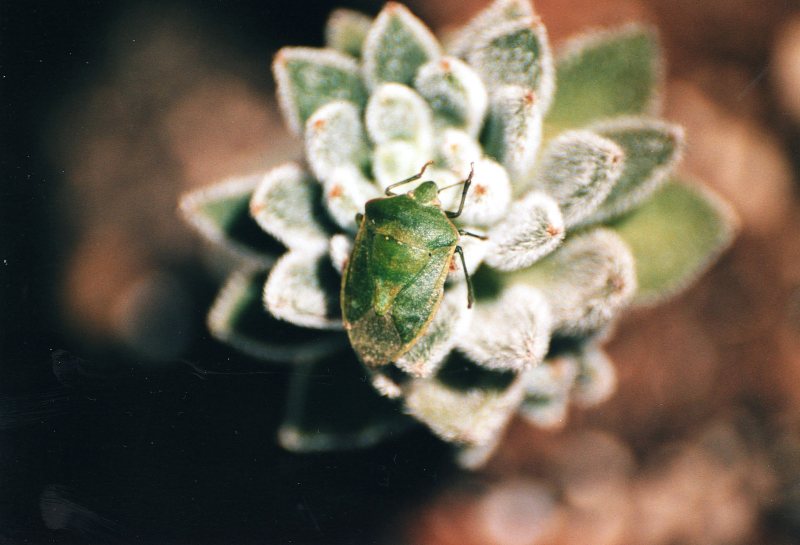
394,281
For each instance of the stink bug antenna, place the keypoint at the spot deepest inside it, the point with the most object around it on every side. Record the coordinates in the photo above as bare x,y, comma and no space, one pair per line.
417,176
466,183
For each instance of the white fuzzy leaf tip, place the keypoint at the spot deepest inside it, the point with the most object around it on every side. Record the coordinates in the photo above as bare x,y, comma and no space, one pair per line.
303,289
396,46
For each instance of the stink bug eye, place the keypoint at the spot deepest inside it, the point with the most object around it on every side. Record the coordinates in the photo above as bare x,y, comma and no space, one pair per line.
393,283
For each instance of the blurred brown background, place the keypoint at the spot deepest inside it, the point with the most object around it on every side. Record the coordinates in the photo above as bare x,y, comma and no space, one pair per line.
109,433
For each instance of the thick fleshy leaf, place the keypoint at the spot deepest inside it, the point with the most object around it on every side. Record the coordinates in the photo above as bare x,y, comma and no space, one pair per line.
221,214
547,389
455,93
335,138
464,403
340,248
457,150
512,133
398,160
586,281
397,112
532,229
346,192
331,406
498,12
652,148
308,78
396,46
606,74
489,196
303,289
288,205
515,53
578,170
238,318
346,30
597,378
511,332
674,237
450,323
474,457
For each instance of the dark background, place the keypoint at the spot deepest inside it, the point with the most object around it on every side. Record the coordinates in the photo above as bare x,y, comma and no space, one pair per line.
98,445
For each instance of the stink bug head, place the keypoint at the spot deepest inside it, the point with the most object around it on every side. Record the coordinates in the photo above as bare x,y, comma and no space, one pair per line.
393,283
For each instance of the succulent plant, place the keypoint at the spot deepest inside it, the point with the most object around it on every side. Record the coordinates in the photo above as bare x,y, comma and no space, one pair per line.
573,187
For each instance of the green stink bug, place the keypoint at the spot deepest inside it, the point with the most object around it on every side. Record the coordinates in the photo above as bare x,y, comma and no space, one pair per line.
393,282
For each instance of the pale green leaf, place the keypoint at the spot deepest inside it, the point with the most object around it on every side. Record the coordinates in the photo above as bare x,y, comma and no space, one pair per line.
288,205
221,213
532,229
509,333
396,112
464,403
578,170
497,13
303,289
547,390
586,281
512,133
238,318
334,138
652,148
455,93
346,30
674,237
603,75
308,78
396,46
516,53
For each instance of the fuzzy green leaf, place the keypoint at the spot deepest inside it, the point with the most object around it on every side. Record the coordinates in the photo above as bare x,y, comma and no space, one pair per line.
604,75
652,148
238,318
532,229
578,170
496,14
346,192
397,160
464,403
288,205
455,92
331,406
457,150
510,333
303,289
346,30
547,390
334,138
396,46
674,237
308,78
450,323
516,53
221,214
397,112
512,133
488,198
586,281
597,378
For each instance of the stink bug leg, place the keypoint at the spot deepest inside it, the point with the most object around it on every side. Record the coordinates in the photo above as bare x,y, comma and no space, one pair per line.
467,183
470,296
417,176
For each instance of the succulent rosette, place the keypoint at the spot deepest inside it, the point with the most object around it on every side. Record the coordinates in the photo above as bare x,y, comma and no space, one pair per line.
573,188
